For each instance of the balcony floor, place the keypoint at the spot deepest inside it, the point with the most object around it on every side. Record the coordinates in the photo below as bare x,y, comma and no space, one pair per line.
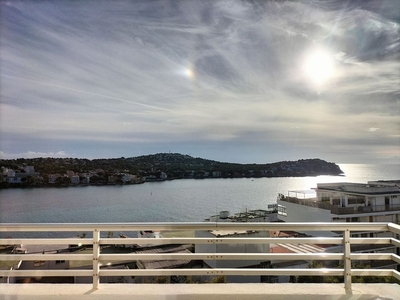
199,291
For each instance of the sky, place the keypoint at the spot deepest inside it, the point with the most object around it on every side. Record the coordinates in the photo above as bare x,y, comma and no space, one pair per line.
235,81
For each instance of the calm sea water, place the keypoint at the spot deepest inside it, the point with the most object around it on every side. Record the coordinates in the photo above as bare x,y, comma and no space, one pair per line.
168,201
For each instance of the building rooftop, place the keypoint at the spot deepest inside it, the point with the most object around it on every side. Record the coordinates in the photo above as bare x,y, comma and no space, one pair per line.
295,248
360,188
256,215
162,264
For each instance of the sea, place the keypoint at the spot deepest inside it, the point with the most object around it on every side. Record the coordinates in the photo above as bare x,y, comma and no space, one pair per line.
184,200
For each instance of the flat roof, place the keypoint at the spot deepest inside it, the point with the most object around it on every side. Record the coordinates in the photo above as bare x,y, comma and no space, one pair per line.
359,188
162,264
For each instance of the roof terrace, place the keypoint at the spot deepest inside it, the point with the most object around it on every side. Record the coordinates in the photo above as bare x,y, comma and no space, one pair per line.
337,210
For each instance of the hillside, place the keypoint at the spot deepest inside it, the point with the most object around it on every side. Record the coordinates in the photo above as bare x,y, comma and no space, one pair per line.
165,166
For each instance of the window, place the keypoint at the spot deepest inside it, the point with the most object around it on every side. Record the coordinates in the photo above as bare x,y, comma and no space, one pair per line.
325,197
354,199
60,262
282,210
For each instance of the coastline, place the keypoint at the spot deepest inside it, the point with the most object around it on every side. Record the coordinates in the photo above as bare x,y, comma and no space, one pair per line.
66,185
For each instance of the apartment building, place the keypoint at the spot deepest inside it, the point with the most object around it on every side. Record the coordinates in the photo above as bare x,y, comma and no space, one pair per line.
375,201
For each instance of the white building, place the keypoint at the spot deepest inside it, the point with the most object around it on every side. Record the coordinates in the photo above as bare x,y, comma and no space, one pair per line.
231,248
126,178
376,201
29,169
216,174
234,248
11,175
75,179
247,216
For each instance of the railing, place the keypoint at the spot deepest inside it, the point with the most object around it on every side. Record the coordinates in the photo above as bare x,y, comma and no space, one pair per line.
346,256
337,210
308,202
364,209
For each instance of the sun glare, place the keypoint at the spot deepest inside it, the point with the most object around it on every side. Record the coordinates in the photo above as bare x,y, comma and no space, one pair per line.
189,73
318,66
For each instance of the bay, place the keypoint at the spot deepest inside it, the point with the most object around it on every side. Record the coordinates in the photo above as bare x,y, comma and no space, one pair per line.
186,200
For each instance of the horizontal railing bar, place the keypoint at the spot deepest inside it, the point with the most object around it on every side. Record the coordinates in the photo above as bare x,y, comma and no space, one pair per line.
320,226
169,272
371,256
370,241
165,241
246,240
47,241
396,258
393,227
46,273
238,240
396,274
165,272
372,272
12,257
219,271
200,256
395,242
223,256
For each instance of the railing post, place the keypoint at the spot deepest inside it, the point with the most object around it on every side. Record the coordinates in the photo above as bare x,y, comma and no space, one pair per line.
347,260
96,254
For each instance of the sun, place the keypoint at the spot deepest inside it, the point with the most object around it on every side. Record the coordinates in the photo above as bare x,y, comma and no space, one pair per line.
318,66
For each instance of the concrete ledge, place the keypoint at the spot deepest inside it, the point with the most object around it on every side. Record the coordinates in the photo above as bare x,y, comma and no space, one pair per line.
249,291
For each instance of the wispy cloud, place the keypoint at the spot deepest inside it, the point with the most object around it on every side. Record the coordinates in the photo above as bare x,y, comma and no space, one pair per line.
199,75
31,154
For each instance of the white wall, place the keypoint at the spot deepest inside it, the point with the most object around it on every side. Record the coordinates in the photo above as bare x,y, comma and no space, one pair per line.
303,213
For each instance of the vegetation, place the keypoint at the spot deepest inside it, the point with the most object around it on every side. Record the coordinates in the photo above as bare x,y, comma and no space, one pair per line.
153,167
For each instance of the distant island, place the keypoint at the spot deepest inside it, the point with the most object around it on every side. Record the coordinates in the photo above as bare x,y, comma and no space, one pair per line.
62,172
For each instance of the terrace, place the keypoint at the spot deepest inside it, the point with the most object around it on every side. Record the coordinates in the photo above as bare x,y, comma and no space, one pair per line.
337,210
99,260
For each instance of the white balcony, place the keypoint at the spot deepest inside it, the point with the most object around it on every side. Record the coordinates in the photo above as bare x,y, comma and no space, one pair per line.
98,260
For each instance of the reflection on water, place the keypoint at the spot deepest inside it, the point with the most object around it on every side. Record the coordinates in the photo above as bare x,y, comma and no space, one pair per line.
169,201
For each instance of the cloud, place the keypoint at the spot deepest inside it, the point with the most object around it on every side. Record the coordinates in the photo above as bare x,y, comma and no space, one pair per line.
215,72
32,154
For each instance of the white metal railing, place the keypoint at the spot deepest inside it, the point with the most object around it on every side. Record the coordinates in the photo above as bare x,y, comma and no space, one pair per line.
346,256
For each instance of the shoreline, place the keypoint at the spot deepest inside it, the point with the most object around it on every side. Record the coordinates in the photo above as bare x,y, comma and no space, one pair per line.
49,185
